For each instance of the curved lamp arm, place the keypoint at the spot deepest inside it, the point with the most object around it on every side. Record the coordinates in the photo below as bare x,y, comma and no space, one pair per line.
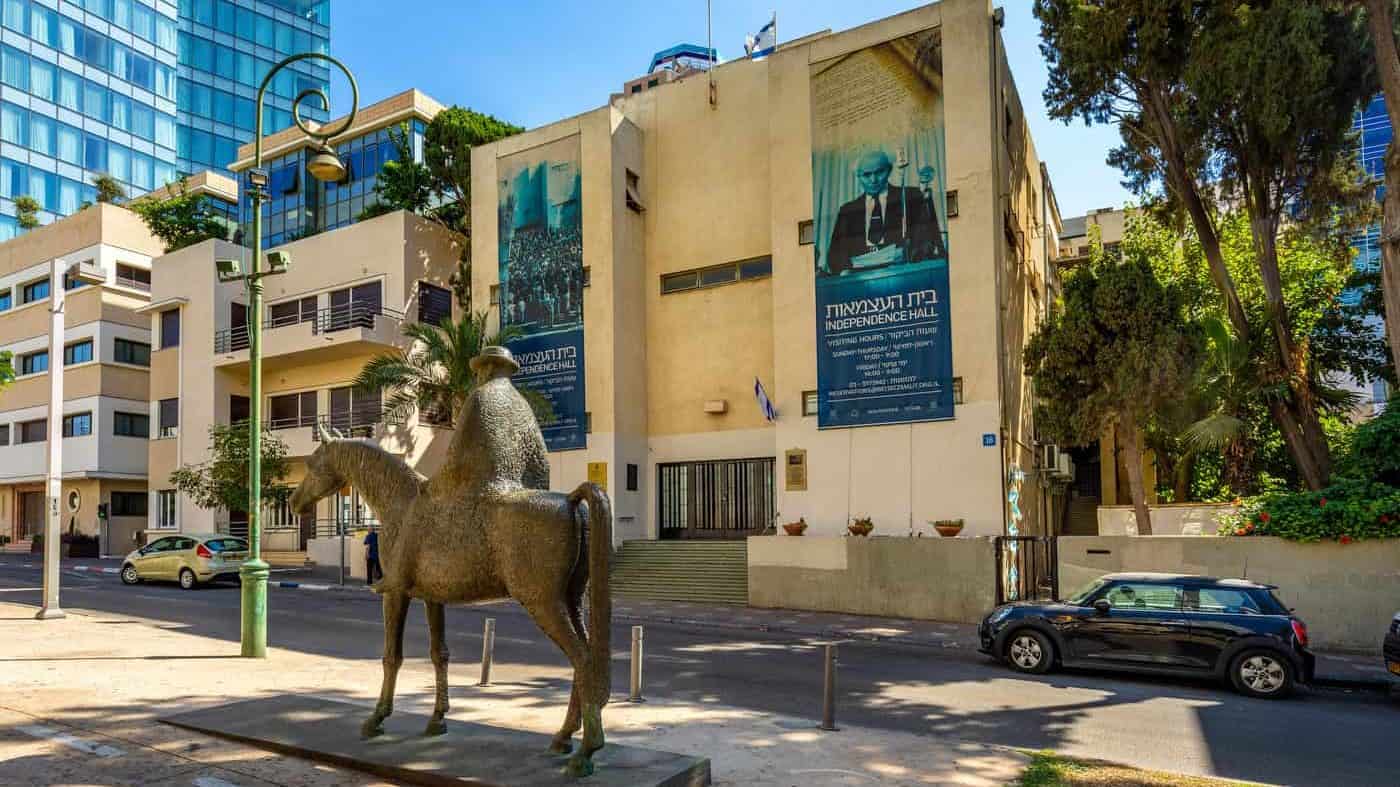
322,135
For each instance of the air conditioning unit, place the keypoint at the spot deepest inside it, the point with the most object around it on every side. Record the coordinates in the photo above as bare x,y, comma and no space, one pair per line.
1064,468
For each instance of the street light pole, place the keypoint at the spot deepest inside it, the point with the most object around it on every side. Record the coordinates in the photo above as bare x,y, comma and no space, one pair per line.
324,165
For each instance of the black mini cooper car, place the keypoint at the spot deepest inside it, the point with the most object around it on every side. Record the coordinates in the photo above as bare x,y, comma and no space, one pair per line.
1391,647
1162,623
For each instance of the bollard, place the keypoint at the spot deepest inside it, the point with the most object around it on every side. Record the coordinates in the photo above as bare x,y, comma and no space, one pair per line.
829,691
636,693
488,643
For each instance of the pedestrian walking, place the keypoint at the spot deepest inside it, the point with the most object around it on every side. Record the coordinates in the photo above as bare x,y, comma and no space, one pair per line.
372,569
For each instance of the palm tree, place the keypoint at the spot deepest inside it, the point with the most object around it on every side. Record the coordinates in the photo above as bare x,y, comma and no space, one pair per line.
1226,383
434,376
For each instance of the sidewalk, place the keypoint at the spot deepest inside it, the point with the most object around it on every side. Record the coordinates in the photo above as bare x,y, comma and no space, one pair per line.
80,706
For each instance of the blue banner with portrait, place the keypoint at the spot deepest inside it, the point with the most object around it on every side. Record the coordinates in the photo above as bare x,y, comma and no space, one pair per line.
884,345
540,296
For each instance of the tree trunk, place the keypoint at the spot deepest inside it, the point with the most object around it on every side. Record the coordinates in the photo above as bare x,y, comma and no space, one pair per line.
1382,25
1181,181
1132,450
1238,471
1181,478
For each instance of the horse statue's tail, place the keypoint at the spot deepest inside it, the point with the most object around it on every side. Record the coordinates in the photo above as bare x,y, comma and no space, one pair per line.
599,543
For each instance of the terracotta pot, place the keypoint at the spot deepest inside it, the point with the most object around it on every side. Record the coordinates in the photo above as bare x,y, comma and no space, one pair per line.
794,528
948,530
860,528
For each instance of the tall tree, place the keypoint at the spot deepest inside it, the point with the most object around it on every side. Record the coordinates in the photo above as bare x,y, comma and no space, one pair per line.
181,219
109,189
1114,352
221,482
1245,98
434,375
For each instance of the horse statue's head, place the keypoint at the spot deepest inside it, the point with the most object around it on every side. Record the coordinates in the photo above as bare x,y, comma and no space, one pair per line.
322,478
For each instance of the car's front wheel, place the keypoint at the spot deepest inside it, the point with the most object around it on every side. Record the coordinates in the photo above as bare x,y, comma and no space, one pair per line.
187,579
129,575
1262,673
1027,650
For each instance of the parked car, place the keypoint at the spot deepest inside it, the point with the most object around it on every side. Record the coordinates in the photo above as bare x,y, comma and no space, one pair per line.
1391,646
1173,624
187,558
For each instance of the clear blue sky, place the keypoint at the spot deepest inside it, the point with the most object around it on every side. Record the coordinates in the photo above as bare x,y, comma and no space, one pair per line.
535,61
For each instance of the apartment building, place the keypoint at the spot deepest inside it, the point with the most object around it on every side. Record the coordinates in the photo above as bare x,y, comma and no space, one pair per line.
345,300
107,355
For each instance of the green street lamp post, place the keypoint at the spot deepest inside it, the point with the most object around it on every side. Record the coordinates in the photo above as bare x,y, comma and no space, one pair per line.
324,165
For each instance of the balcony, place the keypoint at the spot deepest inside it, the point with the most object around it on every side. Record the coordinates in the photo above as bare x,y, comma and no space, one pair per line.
340,331
302,436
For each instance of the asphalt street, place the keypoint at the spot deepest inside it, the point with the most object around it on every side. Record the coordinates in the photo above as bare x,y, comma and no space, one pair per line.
1320,737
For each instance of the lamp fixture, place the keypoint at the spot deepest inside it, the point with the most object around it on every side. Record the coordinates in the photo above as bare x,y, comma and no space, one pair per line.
325,165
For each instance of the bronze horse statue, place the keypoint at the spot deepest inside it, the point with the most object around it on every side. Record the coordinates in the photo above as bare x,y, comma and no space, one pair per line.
483,528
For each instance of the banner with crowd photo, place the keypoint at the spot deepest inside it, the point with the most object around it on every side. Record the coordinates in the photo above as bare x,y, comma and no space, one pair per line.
879,185
541,286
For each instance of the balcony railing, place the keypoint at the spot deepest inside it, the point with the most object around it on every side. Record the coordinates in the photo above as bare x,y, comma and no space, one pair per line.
127,281
336,318
356,422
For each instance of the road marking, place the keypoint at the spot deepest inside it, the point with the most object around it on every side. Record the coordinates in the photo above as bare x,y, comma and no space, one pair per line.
210,781
18,590
98,749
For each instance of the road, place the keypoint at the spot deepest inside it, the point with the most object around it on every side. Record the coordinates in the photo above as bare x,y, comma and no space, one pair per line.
1321,737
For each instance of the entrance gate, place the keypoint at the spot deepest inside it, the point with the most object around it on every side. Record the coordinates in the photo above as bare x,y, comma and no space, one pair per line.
727,499
1026,568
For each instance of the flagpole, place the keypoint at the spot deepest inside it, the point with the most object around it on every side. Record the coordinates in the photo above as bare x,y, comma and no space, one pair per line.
710,49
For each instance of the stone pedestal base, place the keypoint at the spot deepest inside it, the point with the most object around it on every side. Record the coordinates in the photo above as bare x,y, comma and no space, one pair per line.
471,754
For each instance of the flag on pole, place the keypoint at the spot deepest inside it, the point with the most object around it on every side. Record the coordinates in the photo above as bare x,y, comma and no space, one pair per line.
764,403
762,43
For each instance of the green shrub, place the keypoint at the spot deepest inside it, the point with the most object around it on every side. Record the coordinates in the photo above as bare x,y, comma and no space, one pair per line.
1346,511
1375,449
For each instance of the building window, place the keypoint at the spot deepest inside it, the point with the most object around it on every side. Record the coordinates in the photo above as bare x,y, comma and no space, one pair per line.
133,277
73,282
170,328
128,504
6,299
806,232
717,275
495,297
239,409
35,291
169,417
434,303
631,477
131,424
292,312
34,431
135,353
952,203
957,390
165,509
77,425
290,411
78,352
4,434
34,363
809,403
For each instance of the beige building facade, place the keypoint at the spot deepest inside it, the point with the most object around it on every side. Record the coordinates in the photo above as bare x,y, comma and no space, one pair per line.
345,300
675,187
106,364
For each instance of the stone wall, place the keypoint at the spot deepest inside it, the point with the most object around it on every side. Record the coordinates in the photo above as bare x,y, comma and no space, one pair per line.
947,579
1346,594
1168,519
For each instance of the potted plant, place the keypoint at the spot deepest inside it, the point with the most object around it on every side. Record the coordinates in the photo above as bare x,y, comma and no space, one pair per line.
948,528
795,528
861,526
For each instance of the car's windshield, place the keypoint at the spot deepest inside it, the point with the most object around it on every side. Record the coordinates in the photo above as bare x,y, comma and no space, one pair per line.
1083,594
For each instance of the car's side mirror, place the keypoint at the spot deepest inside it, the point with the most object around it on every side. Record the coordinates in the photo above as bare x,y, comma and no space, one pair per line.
1102,606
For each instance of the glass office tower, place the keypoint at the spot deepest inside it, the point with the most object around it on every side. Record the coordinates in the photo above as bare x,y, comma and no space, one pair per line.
226,47
143,90
1374,134
85,88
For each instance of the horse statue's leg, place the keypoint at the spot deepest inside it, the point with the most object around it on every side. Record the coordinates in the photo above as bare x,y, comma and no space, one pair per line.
574,718
554,621
438,633
395,610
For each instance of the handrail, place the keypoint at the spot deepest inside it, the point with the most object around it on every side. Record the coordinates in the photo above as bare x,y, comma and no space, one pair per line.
328,320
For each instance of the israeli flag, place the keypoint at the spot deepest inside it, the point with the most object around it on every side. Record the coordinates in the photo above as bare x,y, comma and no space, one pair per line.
764,403
765,41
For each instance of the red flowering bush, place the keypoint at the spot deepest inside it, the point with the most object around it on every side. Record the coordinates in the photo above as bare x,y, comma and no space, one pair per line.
1345,512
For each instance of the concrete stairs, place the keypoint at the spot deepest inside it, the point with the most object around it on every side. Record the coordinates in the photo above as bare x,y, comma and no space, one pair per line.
706,572
286,559
17,547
